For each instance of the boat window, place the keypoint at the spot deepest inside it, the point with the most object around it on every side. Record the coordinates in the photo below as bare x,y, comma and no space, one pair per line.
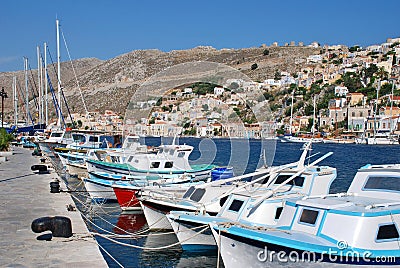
78,138
387,231
160,150
130,158
236,205
93,139
309,216
181,154
188,192
171,152
115,159
297,181
165,151
197,195
155,164
56,134
385,183
278,212
168,164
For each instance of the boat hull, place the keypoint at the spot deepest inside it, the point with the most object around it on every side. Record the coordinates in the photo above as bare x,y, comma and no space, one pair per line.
127,199
244,251
155,217
99,192
193,236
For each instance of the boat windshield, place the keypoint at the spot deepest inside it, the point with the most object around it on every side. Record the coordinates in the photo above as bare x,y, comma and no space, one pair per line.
56,134
383,183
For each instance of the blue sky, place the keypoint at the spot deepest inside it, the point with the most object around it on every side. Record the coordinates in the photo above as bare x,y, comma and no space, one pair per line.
105,29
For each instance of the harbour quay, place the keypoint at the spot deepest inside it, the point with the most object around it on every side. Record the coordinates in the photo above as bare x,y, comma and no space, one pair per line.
26,197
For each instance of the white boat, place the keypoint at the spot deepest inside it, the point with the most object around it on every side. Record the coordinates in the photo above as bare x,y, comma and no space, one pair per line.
75,161
57,138
75,156
170,159
207,198
342,139
100,185
290,181
382,138
360,226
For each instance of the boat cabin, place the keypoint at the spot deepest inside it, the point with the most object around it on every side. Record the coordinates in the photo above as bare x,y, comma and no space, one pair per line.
313,181
367,216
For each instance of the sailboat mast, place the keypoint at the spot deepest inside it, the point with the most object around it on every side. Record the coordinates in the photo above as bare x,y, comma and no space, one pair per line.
376,105
391,110
39,84
58,73
45,83
15,98
26,91
313,119
291,114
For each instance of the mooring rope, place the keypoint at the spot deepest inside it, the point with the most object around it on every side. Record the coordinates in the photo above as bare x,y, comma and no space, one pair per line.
150,248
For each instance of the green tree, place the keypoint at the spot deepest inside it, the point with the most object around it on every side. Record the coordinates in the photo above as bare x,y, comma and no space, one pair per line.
266,52
5,139
382,73
352,81
254,66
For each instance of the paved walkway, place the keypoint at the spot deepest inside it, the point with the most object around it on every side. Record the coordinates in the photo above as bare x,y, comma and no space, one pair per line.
25,196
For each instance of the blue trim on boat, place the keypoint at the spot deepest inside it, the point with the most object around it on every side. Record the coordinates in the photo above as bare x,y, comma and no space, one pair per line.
198,247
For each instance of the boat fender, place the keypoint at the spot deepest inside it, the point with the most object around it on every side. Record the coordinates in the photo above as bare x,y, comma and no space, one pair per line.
58,225
40,168
54,187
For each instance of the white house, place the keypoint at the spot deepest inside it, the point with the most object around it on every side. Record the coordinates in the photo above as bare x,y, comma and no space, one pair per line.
218,91
314,58
341,91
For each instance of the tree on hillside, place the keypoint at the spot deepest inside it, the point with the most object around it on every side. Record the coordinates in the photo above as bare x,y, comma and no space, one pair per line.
254,66
382,73
351,81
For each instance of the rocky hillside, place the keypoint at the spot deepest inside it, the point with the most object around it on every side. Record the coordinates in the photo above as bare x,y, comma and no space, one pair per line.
110,84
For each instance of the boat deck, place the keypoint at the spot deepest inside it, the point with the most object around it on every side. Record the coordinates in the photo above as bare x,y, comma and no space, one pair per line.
25,197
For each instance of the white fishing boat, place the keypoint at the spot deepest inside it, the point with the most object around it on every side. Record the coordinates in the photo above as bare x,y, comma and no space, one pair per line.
360,226
57,138
289,181
170,159
100,185
73,158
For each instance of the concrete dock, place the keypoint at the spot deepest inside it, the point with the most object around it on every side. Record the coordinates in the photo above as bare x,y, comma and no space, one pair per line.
25,196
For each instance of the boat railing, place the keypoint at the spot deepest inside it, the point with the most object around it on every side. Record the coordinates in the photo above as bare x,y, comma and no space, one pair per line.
344,194
382,205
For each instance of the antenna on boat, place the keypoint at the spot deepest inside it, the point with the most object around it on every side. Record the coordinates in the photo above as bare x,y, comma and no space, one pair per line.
269,193
264,159
306,149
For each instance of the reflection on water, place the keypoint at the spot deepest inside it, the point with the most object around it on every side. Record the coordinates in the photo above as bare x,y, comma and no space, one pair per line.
130,222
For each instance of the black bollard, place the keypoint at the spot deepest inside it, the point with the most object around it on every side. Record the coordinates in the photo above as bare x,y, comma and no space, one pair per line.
59,226
54,187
